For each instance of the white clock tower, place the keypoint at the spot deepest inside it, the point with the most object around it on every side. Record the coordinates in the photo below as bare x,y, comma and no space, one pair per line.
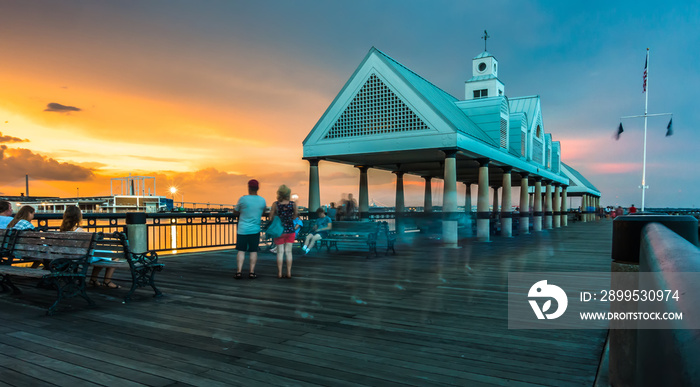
484,82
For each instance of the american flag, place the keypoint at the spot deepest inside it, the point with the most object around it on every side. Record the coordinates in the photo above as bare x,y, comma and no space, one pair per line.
645,72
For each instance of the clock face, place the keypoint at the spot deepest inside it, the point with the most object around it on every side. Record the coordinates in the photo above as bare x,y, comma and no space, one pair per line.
482,66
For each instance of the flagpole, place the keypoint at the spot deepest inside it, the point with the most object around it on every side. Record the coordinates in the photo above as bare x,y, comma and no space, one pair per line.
644,161
646,115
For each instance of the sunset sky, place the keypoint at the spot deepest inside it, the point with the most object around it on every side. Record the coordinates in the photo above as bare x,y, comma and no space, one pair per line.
205,95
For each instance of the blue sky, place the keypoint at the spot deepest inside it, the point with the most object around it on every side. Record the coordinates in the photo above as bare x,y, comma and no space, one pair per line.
255,77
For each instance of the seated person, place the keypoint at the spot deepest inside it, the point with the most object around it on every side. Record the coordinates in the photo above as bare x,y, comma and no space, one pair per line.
5,214
320,230
72,218
23,219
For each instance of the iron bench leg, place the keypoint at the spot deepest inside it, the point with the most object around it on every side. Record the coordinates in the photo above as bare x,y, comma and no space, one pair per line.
7,284
67,287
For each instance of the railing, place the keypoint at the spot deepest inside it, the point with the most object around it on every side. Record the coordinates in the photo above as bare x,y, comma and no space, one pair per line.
663,245
93,222
665,253
166,232
182,231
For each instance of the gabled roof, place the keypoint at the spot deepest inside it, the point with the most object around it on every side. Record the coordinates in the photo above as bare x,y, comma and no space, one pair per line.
578,183
440,99
388,117
528,105
441,103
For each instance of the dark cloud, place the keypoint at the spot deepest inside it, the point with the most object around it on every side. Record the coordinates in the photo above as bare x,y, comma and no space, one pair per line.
7,139
57,107
15,163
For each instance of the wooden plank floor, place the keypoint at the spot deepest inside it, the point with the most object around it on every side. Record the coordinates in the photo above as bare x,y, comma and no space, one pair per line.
425,317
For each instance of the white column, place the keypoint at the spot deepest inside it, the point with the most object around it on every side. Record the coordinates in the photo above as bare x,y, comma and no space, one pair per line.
314,189
468,208
556,207
524,205
584,203
564,208
363,205
449,201
537,202
506,213
482,203
548,206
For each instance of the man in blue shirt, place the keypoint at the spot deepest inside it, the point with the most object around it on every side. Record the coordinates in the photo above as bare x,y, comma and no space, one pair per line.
249,209
322,225
5,214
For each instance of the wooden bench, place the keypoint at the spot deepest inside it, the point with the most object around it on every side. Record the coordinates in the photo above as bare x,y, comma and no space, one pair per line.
112,251
4,245
67,256
363,233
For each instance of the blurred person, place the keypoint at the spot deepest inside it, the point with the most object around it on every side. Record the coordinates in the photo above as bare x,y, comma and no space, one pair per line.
332,211
322,225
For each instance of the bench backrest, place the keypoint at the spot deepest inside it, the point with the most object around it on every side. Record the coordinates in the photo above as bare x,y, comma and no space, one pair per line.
5,245
34,245
359,228
111,246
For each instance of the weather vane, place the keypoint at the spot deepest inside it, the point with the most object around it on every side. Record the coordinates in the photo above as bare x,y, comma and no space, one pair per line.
485,37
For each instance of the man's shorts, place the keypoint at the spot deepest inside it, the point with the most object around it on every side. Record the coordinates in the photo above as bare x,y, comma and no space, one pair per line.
248,242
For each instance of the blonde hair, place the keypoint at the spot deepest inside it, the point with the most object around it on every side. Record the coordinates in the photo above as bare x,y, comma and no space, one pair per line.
283,193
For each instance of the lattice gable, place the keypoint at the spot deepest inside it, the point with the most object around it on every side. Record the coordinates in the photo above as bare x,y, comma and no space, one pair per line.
378,103
375,110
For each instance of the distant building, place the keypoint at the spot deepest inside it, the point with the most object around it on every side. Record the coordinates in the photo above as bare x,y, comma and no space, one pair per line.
135,194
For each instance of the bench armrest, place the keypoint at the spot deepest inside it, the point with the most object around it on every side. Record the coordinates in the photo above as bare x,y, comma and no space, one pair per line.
148,258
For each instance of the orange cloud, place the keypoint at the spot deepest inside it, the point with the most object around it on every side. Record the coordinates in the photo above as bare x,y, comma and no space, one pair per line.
9,139
16,163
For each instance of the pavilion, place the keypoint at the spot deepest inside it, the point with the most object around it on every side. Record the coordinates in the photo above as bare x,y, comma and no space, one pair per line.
389,118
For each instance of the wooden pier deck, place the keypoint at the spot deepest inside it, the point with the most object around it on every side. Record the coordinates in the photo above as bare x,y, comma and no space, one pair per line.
425,317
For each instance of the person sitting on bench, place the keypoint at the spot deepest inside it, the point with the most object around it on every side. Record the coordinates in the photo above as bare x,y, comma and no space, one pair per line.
23,219
319,231
72,217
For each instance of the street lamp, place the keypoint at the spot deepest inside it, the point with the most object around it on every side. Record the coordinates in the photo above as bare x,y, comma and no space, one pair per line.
173,190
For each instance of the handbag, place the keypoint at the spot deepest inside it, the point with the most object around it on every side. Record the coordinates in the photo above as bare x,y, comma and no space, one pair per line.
275,229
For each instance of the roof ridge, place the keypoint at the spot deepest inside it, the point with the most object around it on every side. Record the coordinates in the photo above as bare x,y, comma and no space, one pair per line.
414,73
523,97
